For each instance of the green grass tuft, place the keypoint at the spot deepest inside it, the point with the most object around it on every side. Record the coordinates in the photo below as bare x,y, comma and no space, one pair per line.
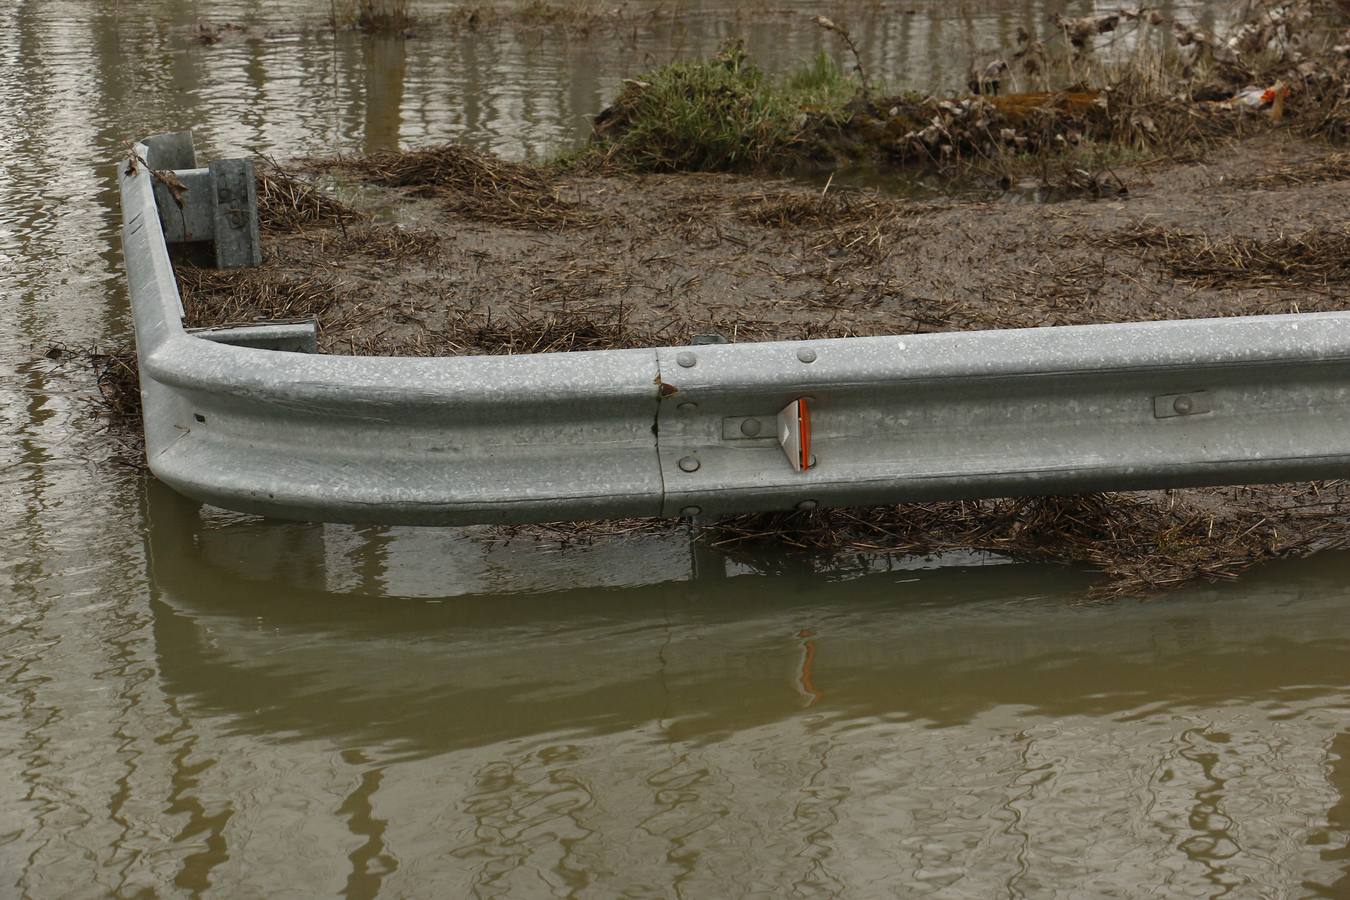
719,114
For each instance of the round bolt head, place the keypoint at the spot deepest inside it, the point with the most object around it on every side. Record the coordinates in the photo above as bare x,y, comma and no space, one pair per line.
1182,405
807,505
687,407
688,464
751,427
806,355
690,511
686,359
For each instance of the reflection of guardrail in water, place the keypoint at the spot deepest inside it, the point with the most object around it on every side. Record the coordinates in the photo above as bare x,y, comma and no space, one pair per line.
696,430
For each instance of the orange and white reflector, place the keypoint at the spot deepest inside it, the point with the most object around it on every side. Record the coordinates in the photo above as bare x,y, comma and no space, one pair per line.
794,433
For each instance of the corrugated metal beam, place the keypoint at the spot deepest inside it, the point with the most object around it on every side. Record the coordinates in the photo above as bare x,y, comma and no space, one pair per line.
693,430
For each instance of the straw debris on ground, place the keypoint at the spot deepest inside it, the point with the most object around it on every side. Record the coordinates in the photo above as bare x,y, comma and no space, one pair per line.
1316,258
472,184
287,202
1143,543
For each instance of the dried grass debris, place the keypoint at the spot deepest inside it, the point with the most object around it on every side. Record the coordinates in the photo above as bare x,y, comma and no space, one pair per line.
1331,167
1143,543
1315,258
287,203
843,223
216,298
118,379
476,332
472,184
382,242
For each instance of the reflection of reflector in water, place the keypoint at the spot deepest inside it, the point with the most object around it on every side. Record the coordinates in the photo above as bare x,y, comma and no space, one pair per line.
806,680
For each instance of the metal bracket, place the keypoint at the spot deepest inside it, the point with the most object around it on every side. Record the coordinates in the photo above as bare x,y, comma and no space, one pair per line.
218,203
297,337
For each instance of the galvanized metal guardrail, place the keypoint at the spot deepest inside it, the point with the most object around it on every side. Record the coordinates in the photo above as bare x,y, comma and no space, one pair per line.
703,430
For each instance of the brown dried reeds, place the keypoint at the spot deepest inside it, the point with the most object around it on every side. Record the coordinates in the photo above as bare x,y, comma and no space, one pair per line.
1143,543
118,403
287,203
1319,256
798,209
472,184
214,298
843,223
372,16
1332,167
118,379
550,332
476,332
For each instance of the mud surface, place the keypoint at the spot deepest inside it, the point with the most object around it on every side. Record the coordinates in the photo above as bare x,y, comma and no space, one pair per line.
656,259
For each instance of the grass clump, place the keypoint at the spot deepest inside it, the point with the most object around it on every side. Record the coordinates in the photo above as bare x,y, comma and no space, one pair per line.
720,114
373,16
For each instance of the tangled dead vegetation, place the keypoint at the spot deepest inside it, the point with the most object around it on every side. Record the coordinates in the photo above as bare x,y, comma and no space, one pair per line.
574,16
1331,167
477,332
118,403
834,224
1143,543
1315,258
215,298
118,381
381,242
471,184
287,203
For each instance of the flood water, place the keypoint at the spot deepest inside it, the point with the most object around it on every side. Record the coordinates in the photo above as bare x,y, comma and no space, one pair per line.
198,702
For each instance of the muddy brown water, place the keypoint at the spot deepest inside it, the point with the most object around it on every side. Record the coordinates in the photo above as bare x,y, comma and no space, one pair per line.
196,702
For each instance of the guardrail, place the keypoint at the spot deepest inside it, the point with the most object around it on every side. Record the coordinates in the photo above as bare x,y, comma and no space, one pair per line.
702,430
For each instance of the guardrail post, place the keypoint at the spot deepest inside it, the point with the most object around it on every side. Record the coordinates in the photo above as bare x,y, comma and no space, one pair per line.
235,207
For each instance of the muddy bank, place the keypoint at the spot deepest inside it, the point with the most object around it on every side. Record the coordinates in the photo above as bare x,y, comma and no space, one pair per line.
1259,227
1101,87
457,253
